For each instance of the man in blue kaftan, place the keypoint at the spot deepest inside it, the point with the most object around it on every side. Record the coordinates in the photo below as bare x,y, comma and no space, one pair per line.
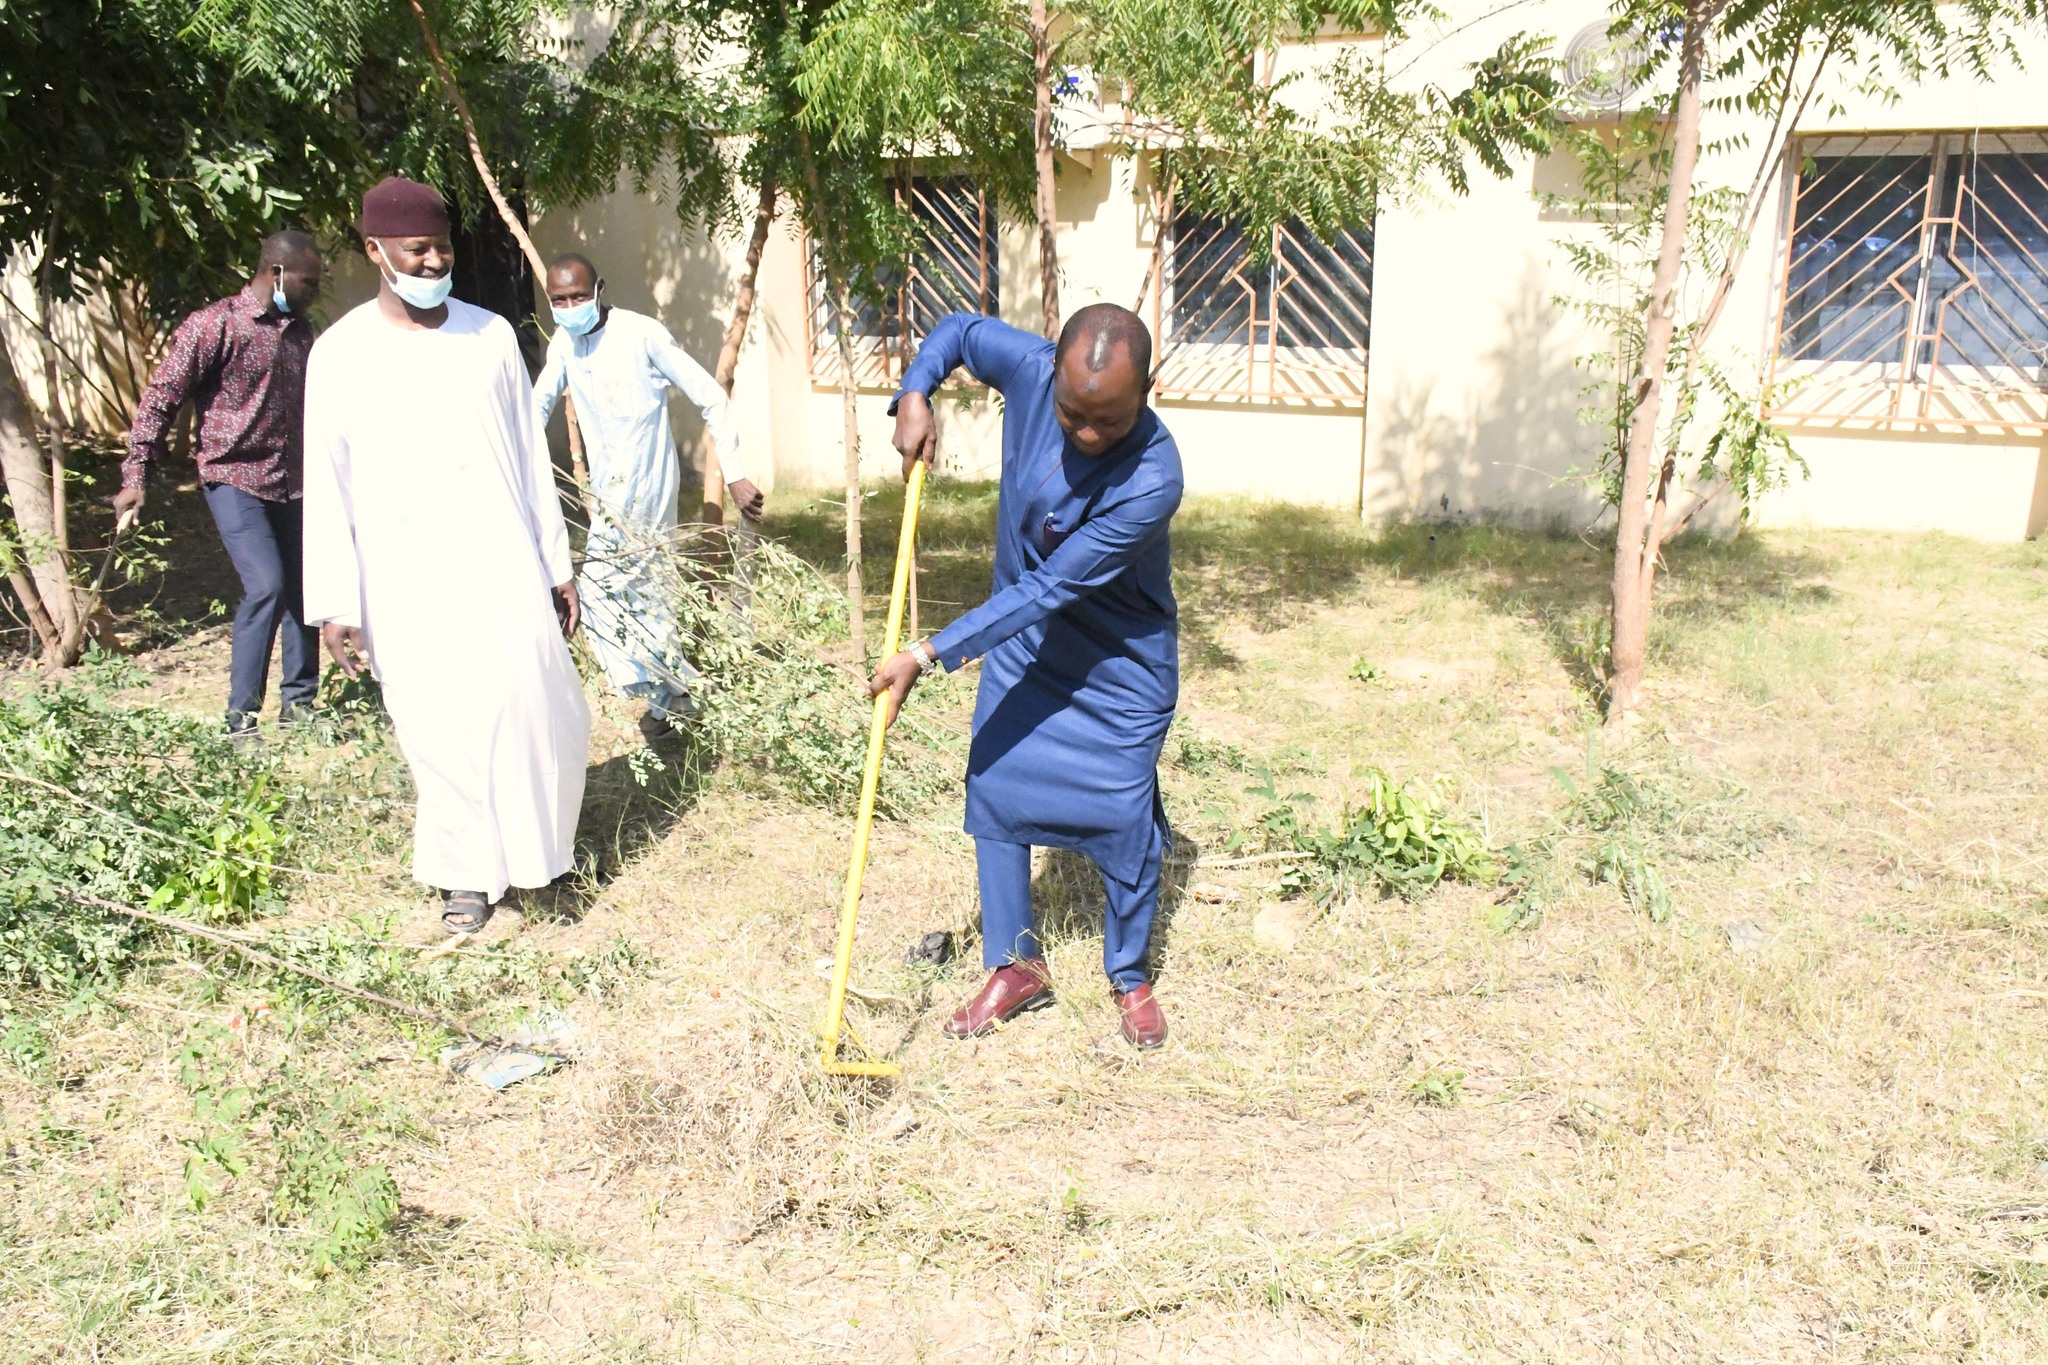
1079,644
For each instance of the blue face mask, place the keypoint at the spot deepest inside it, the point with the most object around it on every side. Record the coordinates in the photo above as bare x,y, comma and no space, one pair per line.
417,290
578,321
277,292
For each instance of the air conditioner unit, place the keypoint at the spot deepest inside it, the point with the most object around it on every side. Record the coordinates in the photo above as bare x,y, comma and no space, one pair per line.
1602,70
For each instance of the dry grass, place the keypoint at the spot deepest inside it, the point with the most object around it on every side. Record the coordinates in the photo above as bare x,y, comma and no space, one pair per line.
1828,1149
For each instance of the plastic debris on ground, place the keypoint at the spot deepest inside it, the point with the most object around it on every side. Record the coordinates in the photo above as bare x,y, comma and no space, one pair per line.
933,950
531,1048
498,1067
1746,936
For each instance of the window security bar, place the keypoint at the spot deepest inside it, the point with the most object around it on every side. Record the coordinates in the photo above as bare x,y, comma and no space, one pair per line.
952,268
1294,330
1914,285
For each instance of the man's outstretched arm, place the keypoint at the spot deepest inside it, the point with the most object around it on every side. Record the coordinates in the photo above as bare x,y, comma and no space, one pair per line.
682,371
991,349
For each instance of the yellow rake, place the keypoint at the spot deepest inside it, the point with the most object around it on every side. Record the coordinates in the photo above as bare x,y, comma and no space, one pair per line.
836,1022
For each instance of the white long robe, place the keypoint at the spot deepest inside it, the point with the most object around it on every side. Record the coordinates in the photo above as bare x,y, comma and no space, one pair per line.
620,376
431,522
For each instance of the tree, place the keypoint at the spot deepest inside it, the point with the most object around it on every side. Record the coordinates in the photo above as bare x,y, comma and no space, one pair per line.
727,74
1231,140
151,143
127,152
558,135
963,79
956,81
1770,58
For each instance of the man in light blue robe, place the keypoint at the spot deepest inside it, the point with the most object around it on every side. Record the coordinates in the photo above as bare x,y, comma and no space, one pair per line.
619,366
1079,643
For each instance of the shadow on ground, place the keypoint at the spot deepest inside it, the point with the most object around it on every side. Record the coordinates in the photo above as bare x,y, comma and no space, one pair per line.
630,803
1262,566
1068,896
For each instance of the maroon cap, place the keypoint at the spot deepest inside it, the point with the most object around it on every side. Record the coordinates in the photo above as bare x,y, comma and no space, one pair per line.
397,207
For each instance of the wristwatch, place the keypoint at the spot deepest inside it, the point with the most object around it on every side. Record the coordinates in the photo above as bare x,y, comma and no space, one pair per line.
922,652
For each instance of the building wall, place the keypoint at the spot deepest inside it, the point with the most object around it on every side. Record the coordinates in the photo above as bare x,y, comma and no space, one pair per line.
1471,408
1992,487
1472,393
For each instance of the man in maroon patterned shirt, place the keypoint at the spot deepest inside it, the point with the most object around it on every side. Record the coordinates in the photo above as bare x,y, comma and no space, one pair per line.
241,362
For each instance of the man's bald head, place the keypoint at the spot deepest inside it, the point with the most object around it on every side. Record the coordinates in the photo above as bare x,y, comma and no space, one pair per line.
1101,370
574,266
1096,335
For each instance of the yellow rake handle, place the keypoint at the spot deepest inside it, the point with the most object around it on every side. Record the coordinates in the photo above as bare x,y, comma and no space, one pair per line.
864,821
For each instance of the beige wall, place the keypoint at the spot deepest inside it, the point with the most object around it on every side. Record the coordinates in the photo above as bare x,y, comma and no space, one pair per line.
1989,487
1473,393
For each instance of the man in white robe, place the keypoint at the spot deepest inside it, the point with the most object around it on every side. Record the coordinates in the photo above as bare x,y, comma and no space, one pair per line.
619,367
435,551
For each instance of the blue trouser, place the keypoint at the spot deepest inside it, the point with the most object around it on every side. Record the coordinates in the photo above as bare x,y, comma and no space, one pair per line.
1008,932
262,538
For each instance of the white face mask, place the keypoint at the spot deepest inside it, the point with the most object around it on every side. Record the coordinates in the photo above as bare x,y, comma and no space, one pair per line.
417,290
580,320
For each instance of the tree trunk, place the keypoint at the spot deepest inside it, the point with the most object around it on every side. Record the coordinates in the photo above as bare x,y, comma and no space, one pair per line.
1634,558
841,291
53,421
504,207
1041,144
1162,218
735,334
849,402
1661,526
39,622
45,589
476,146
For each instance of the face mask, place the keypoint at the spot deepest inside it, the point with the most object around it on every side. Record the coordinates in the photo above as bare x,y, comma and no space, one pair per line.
577,321
417,290
277,293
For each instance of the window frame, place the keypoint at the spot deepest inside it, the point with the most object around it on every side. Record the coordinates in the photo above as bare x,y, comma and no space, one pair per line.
1261,359
886,338
1928,374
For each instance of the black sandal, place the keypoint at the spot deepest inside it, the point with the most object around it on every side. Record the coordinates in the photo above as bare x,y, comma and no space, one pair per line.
464,912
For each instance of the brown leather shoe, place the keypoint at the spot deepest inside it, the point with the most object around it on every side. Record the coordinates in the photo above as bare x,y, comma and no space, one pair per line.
1144,1021
1010,991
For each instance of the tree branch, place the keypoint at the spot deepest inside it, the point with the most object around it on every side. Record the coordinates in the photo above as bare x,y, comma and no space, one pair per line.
1659,530
1766,172
180,926
476,146
38,619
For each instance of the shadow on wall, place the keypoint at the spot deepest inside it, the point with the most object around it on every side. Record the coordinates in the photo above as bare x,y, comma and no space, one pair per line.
654,265
1509,457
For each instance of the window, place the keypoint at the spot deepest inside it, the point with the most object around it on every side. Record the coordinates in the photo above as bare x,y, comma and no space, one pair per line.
951,269
1294,328
1915,286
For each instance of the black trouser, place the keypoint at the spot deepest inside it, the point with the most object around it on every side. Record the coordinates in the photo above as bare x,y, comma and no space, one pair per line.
263,540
